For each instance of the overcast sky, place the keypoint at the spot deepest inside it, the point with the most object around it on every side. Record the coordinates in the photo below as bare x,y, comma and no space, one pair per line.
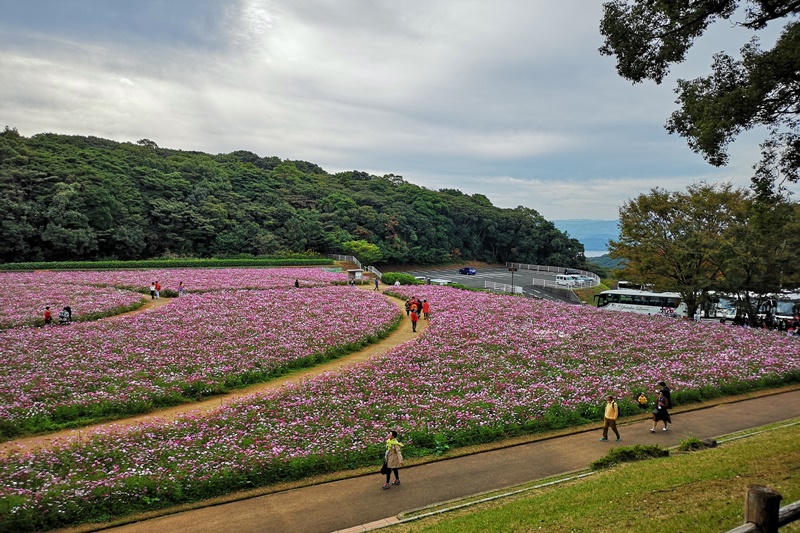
507,98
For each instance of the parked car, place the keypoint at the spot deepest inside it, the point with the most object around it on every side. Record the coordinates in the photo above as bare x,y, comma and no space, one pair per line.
565,279
470,271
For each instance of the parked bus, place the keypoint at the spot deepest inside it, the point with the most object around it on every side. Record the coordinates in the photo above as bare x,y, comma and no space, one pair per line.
642,302
724,307
783,307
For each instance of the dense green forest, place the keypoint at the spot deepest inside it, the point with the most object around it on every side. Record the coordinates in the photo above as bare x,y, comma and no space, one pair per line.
85,198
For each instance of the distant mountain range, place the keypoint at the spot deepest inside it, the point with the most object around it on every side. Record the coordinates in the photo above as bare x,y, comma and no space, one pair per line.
593,234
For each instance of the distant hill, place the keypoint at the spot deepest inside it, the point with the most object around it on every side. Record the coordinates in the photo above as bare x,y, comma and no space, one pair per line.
74,198
593,234
607,262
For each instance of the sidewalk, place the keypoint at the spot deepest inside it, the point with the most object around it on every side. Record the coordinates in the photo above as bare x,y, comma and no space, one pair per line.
349,503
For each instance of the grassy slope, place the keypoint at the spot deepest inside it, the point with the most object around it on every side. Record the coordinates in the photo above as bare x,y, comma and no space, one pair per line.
699,491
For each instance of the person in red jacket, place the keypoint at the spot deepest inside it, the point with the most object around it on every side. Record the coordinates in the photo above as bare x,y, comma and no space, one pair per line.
414,318
426,309
48,316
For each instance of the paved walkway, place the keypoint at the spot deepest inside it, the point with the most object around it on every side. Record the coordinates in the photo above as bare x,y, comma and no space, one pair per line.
353,502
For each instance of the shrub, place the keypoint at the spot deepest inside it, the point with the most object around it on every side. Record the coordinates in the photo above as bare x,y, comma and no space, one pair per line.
405,279
690,444
168,263
627,454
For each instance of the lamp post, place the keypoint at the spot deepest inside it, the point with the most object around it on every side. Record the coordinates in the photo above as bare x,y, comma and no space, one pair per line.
512,270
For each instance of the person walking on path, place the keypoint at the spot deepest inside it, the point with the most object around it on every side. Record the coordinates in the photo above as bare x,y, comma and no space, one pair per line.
153,291
158,291
376,283
392,459
610,418
661,412
667,392
414,319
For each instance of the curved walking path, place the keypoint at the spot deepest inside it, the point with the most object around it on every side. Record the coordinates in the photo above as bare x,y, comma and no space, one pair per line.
357,503
400,335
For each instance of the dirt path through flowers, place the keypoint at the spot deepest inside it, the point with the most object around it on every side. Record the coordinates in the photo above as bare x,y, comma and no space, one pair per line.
402,334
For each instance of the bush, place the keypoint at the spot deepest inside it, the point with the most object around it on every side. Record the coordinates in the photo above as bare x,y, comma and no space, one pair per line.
628,454
168,263
690,444
405,279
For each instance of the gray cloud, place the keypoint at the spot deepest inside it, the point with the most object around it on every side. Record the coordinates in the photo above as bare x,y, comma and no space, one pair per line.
509,99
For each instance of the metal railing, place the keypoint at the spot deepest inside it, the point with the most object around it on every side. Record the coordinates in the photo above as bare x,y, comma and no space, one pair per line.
348,258
353,259
502,287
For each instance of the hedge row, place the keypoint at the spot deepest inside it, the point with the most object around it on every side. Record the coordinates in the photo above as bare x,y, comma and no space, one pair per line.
168,263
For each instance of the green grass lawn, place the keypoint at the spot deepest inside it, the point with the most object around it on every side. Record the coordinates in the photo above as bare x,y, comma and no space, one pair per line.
690,492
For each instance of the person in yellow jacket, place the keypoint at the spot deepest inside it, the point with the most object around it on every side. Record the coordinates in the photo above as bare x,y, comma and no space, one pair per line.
610,418
393,459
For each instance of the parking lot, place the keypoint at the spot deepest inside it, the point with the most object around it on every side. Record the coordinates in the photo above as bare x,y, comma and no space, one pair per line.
500,275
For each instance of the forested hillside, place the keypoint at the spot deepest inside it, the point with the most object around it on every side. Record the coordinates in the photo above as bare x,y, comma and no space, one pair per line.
72,198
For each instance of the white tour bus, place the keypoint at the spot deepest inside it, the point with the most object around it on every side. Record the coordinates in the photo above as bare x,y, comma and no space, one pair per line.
642,302
782,306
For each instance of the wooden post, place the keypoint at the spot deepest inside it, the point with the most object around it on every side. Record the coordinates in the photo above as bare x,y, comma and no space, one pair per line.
761,507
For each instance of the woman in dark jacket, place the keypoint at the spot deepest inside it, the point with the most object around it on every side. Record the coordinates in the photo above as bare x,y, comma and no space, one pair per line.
661,412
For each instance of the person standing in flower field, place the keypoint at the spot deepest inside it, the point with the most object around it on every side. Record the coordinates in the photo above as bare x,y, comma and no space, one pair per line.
426,309
158,291
610,418
48,316
642,401
414,306
180,289
392,459
153,291
414,319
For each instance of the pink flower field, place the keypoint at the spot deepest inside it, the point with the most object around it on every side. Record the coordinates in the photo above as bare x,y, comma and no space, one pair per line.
198,345
25,296
105,292
487,366
203,279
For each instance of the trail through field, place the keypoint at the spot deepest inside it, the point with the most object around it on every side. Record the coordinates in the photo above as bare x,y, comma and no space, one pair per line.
402,334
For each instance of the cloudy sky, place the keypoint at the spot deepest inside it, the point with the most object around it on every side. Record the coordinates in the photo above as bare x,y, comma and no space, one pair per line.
508,98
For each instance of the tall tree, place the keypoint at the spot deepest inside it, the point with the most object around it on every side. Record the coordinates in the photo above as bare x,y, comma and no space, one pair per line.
759,255
671,239
761,88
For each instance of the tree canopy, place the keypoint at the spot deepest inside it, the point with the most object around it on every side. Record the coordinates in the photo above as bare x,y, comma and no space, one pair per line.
84,198
759,88
710,238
